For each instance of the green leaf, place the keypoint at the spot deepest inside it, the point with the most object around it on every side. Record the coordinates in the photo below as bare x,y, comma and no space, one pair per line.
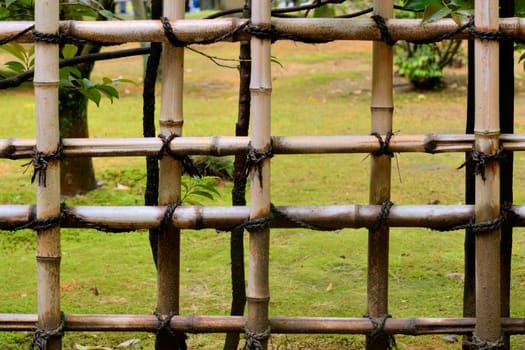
88,84
519,8
16,50
69,50
4,13
419,5
92,94
202,194
106,14
109,91
16,66
435,12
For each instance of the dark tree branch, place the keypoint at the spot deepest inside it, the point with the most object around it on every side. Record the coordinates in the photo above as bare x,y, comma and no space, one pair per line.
17,80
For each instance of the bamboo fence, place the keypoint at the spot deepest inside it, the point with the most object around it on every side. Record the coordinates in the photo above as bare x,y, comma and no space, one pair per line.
382,108
261,145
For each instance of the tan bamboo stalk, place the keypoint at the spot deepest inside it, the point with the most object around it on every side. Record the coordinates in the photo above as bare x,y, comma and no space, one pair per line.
309,28
48,193
230,145
171,120
380,170
281,325
486,130
258,292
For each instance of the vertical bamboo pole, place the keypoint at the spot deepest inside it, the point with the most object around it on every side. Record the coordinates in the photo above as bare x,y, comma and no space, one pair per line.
258,293
380,170
171,120
48,194
487,207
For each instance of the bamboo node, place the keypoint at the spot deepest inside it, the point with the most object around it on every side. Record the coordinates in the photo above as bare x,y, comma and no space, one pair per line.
378,334
254,340
41,336
40,162
187,162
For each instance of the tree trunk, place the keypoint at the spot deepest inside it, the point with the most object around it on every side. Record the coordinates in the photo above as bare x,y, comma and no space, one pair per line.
77,175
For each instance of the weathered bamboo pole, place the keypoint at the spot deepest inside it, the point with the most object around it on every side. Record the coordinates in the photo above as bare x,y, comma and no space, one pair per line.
382,109
307,28
48,187
438,217
487,130
230,145
171,120
280,325
258,292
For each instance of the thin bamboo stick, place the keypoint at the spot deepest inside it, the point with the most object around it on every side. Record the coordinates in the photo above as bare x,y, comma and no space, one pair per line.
258,293
280,325
380,171
307,28
487,130
48,192
171,120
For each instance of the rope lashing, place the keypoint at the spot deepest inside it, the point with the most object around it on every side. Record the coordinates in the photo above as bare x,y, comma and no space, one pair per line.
254,160
165,327
506,215
300,223
62,39
469,26
480,344
383,216
383,28
41,336
173,40
16,35
187,162
167,217
254,340
383,144
40,162
481,160
378,331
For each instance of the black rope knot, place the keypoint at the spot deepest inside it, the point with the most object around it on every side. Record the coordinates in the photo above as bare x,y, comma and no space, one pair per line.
383,144
187,163
167,217
383,28
164,327
254,340
40,162
383,216
481,160
41,336
480,344
255,159
170,34
378,333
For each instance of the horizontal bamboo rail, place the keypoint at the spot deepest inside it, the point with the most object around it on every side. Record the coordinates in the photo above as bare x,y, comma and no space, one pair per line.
313,29
224,218
279,325
229,145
